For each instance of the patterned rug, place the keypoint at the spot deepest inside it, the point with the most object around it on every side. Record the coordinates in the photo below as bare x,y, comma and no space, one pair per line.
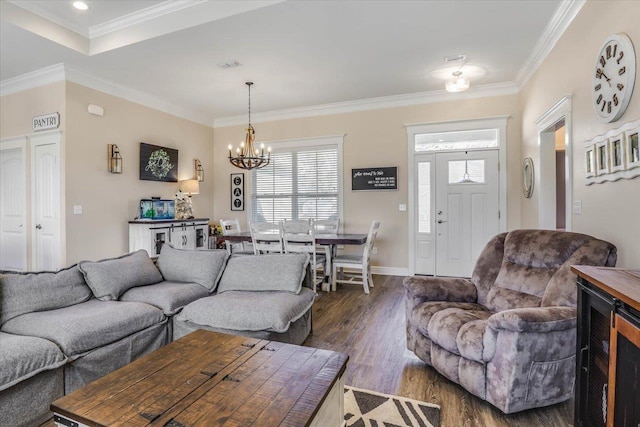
366,408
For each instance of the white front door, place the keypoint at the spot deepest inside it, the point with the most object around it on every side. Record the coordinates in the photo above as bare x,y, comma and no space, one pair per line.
466,209
45,177
13,214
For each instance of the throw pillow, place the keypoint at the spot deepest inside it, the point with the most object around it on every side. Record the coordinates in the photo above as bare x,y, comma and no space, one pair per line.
273,272
202,267
110,278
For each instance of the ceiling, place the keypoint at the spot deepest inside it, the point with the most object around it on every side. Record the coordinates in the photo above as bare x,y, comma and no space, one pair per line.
298,53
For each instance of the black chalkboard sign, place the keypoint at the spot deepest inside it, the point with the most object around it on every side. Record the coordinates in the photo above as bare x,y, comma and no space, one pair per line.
374,179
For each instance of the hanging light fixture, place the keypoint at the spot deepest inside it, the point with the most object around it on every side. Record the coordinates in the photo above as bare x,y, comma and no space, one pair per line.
458,83
247,156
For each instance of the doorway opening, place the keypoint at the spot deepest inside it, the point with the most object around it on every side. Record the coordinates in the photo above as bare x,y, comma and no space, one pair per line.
554,178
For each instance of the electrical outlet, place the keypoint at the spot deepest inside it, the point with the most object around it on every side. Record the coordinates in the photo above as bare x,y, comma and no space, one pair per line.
77,209
402,207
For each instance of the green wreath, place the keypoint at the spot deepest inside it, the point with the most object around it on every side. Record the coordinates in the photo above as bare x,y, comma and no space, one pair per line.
159,164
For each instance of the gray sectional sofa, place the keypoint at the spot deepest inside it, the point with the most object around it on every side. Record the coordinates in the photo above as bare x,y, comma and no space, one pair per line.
62,330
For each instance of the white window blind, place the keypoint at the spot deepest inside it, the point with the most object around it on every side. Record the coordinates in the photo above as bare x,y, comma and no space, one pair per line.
298,183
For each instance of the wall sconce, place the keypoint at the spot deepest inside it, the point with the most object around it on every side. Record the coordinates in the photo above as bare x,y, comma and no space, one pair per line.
199,171
114,158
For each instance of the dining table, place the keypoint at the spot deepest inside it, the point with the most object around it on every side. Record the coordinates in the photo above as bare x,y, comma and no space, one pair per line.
330,241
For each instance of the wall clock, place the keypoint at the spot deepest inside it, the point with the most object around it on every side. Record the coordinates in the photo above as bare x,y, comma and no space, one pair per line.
614,77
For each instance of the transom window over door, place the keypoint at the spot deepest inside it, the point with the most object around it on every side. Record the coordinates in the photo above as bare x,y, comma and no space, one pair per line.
303,180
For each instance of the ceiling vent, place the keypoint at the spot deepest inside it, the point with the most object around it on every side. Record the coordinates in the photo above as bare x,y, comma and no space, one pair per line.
229,64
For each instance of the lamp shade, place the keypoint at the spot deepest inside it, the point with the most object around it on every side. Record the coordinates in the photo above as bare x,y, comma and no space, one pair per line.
190,186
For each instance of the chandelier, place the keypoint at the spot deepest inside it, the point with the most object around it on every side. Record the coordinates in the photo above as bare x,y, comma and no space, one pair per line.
247,156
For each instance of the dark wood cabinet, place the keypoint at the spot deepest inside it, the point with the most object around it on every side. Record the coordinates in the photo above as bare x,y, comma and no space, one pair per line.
608,348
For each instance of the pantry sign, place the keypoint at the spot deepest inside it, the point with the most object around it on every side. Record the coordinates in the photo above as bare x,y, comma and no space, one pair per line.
46,122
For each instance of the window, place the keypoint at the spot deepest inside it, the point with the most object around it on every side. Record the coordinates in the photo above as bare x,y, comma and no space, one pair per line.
457,140
466,171
301,181
424,197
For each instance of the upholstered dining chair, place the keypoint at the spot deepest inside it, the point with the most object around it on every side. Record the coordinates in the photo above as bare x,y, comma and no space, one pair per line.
299,236
232,226
348,263
266,237
508,333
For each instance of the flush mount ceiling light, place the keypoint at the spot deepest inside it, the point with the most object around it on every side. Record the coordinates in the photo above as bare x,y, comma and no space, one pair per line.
80,5
247,157
458,82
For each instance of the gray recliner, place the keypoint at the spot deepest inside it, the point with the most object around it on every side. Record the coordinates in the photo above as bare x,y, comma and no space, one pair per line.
507,334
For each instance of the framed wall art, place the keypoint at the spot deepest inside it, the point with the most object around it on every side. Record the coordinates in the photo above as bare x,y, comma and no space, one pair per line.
614,155
237,191
158,163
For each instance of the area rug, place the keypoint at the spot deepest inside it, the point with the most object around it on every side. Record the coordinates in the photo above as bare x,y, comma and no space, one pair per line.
366,408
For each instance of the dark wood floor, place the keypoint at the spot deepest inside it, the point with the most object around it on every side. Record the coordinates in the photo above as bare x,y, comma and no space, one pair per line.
371,330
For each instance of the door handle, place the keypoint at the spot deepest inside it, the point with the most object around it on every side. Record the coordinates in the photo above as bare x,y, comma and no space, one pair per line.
38,226
441,221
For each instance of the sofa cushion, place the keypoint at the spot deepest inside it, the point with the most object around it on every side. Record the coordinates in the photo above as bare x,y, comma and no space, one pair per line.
109,278
445,327
86,326
422,314
23,357
272,272
22,293
202,267
249,311
169,297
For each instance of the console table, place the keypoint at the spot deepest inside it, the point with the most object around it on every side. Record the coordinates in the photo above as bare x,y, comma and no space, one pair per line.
608,347
151,234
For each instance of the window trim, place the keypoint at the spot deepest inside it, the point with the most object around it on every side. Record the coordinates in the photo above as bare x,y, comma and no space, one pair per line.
318,141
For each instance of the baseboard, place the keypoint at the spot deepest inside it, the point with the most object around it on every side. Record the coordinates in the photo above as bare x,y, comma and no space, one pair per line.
390,271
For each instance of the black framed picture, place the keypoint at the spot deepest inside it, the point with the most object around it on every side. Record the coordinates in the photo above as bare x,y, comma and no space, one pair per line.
237,191
158,163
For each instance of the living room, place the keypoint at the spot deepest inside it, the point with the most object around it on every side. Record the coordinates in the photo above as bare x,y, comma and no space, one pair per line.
557,67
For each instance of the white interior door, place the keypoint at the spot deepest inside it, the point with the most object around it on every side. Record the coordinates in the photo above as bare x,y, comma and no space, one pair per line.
466,208
424,197
46,203
13,214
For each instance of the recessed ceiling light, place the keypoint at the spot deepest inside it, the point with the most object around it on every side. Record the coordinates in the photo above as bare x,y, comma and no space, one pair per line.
80,5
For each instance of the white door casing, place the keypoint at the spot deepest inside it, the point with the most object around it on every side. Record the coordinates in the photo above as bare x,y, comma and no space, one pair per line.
467,209
424,263
13,205
46,202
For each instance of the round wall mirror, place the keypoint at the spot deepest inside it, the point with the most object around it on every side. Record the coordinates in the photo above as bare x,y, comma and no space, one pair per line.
527,177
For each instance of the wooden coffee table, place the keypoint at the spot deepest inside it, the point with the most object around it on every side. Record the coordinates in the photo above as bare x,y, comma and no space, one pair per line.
210,379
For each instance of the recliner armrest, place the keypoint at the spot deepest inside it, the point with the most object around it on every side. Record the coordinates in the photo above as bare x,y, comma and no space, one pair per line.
534,319
453,289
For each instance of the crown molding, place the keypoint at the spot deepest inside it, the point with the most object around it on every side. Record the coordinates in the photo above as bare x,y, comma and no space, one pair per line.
36,10
565,13
44,76
141,16
483,91
136,96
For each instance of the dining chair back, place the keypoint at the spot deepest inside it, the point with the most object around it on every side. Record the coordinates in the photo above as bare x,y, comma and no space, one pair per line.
327,226
266,237
356,262
232,226
299,236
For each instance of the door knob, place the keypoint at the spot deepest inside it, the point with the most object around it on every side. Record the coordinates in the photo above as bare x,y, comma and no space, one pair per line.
38,226
441,221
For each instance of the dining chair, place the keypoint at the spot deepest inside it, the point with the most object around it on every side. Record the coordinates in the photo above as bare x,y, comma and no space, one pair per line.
232,226
266,237
300,236
356,262
327,226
